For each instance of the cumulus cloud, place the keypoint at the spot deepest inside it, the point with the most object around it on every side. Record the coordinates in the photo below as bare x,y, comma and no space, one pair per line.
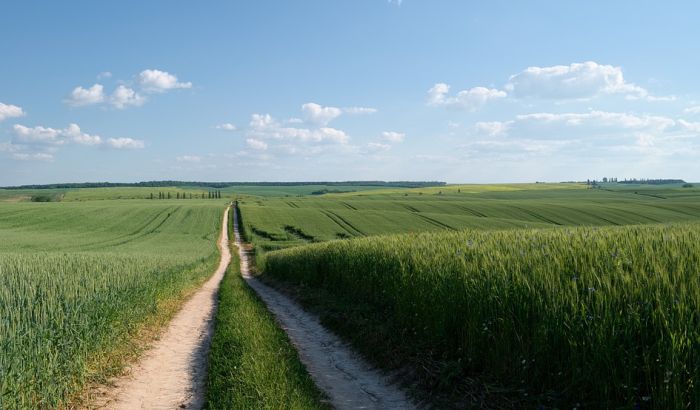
263,126
25,137
318,114
123,97
157,81
86,96
574,81
470,99
588,134
226,127
75,135
10,111
393,136
189,158
256,144
359,110
127,94
125,143
37,135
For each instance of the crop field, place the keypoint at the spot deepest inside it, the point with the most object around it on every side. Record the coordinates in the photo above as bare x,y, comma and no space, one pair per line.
554,296
275,223
590,315
79,281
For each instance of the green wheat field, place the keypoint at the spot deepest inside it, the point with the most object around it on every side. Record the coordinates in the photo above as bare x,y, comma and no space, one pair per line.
551,295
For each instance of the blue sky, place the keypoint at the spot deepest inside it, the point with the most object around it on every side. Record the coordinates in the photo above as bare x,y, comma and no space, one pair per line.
348,90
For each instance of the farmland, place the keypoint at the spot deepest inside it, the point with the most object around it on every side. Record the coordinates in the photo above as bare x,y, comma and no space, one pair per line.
275,223
82,284
551,295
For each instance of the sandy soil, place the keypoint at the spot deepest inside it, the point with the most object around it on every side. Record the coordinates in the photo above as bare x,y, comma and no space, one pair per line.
172,373
348,381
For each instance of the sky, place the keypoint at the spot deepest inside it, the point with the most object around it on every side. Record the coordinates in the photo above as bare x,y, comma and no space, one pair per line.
330,90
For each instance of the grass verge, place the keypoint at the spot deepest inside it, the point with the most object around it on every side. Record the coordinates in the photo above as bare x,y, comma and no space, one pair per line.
252,362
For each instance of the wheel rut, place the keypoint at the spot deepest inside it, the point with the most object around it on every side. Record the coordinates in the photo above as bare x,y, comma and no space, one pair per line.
347,379
172,374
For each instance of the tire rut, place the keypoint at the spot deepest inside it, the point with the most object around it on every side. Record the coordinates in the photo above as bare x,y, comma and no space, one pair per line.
347,380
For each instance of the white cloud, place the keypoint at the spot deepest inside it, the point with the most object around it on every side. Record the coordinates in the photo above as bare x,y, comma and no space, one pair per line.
38,156
575,81
40,143
10,111
397,2
104,74
318,114
226,127
37,135
189,158
600,119
593,134
360,110
156,81
393,136
692,110
689,126
80,96
378,146
74,134
492,128
470,99
123,97
125,143
256,144
262,122
263,126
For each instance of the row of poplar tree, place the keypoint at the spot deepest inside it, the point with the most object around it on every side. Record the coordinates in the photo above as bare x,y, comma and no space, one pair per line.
185,195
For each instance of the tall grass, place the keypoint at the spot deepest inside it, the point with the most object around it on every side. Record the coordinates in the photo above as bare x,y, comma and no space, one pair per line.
252,363
598,316
63,313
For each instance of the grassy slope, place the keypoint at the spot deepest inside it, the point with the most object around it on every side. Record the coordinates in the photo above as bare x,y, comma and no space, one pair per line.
252,362
276,223
606,317
81,284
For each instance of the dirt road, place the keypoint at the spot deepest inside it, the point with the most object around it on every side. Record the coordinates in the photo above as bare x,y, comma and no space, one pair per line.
348,381
172,374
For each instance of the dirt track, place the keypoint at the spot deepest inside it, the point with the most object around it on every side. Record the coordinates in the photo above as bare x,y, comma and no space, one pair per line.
172,373
348,381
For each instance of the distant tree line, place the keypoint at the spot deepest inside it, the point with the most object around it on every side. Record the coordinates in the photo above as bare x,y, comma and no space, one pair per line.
219,185
652,181
635,181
